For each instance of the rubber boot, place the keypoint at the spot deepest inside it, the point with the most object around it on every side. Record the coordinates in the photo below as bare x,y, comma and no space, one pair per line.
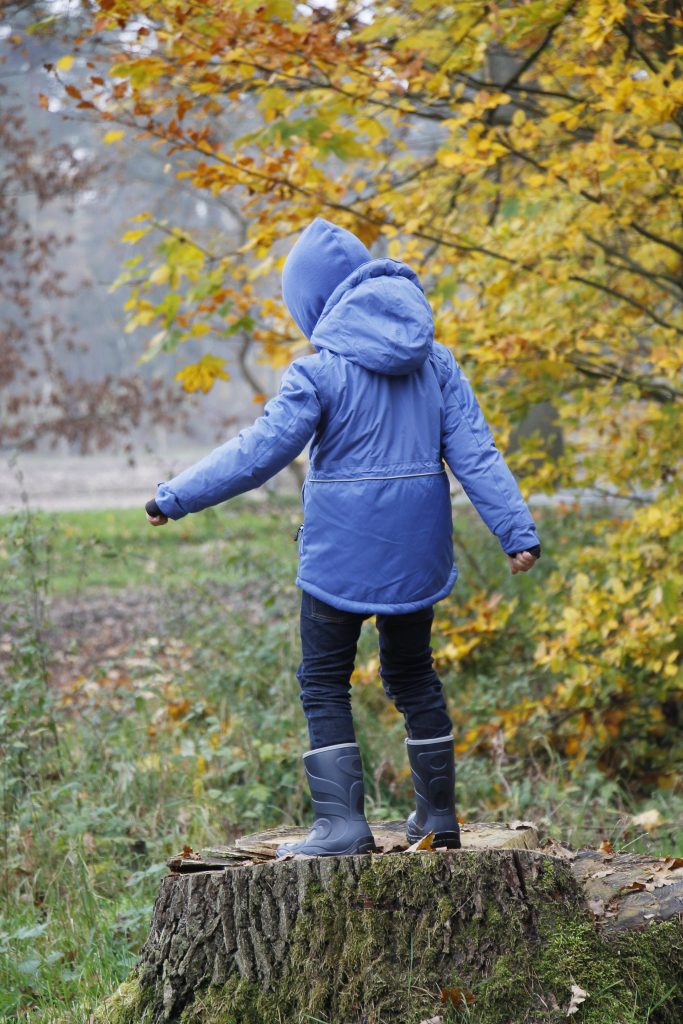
335,778
432,763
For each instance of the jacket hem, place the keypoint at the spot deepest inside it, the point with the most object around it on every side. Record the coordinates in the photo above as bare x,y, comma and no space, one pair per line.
375,608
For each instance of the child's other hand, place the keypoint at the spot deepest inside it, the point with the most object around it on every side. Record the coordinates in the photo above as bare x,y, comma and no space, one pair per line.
154,514
157,520
521,562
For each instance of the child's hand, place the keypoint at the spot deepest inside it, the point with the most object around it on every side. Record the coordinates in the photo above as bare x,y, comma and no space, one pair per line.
521,562
157,520
154,514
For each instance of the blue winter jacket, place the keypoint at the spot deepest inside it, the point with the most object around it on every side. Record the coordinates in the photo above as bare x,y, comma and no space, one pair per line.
383,406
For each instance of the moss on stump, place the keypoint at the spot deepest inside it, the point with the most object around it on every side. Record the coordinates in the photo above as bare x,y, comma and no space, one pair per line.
492,936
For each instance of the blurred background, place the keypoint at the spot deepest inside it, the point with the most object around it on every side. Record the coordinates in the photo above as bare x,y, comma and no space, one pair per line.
157,163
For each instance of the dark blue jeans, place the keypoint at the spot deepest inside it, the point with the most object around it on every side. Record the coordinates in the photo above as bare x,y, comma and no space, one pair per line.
329,638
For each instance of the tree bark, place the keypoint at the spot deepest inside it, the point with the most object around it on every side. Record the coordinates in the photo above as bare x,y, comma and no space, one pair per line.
499,933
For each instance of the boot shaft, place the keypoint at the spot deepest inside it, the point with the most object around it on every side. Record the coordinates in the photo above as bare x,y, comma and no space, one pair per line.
335,779
432,764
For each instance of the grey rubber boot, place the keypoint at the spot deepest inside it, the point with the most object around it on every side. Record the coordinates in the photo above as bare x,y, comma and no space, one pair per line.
335,778
432,763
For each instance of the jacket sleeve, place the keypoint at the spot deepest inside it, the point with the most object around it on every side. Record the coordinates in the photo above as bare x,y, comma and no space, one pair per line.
469,449
288,422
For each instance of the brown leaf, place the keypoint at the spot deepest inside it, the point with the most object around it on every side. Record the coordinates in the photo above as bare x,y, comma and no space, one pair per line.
634,887
189,854
389,846
555,849
605,847
603,874
457,996
43,101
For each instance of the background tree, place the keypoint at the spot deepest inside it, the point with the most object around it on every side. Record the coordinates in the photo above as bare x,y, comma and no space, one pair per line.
525,160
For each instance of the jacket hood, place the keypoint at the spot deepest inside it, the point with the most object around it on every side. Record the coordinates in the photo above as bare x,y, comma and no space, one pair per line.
323,255
379,318
372,312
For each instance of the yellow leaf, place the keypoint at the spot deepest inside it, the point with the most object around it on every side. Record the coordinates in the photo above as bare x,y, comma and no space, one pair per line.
65,63
134,236
160,275
201,376
114,135
423,845
199,329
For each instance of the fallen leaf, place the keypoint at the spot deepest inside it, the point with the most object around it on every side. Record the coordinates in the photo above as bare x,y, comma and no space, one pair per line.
579,996
663,877
389,846
634,887
596,907
602,874
555,849
423,845
606,847
457,996
649,820
187,850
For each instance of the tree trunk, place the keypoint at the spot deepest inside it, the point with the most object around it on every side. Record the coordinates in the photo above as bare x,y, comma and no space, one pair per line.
487,933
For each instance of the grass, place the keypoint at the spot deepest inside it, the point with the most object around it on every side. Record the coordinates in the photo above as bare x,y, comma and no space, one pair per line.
122,745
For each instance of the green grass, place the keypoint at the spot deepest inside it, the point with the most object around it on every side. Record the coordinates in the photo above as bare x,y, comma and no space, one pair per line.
192,732
117,549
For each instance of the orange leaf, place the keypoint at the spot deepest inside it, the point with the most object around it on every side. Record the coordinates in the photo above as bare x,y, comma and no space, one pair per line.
457,996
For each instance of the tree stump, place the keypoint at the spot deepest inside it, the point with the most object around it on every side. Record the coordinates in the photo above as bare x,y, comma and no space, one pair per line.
498,932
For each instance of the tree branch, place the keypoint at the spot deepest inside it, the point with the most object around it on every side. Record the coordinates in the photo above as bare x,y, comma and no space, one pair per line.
533,57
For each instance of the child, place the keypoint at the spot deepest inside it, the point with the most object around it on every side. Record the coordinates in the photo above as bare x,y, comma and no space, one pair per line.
384,405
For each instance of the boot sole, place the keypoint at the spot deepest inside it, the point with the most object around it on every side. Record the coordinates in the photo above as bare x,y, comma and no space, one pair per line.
363,846
450,840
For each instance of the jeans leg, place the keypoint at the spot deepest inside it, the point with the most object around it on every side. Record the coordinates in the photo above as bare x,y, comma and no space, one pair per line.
408,675
329,638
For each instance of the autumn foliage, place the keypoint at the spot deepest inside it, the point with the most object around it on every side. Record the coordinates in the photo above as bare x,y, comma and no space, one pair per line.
525,159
